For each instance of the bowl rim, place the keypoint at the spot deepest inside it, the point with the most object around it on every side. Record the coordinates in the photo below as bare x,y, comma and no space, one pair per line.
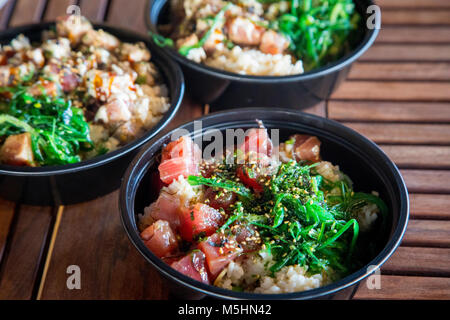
341,63
133,174
165,65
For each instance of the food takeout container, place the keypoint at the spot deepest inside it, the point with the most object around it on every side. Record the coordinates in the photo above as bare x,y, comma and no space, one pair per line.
362,160
223,89
88,179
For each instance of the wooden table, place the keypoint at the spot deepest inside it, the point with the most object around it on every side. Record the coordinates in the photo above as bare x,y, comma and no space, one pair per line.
397,94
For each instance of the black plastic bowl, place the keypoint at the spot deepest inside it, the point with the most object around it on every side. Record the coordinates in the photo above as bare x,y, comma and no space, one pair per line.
86,180
223,89
364,162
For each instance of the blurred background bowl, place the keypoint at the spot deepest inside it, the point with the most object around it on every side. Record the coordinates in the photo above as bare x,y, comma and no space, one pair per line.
222,89
86,180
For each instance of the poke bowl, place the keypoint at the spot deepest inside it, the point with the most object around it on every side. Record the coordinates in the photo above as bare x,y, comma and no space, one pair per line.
248,230
79,109
236,72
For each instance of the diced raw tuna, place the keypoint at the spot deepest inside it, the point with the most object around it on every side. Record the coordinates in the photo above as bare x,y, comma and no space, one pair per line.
258,141
199,221
306,148
249,178
193,265
179,157
220,200
219,250
17,150
273,43
245,32
160,238
69,81
167,208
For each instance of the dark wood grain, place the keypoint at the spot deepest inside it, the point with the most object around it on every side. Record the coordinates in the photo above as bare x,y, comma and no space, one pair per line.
427,181
399,133
413,4
20,269
430,206
400,71
94,10
407,288
419,261
427,233
432,157
394,91
57,8
414,34
91,236
6,217
389,111
27,11
407,52
122,13
416,17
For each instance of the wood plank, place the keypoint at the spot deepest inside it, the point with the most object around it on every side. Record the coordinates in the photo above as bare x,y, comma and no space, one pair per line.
419,261
400,71
91,236
407,288
5,13
22,263
427,181
57,8
413,4
407,52
6,217
94,10
318,110
427,233
389,111
27,11
429,206
419,157
121,13
393,90
414,34
399,133
415,17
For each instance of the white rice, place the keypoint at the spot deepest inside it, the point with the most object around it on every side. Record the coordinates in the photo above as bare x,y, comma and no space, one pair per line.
254,62
252,273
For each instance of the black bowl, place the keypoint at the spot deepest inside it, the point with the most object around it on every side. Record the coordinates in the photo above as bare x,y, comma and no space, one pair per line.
364,162
86,180
223,89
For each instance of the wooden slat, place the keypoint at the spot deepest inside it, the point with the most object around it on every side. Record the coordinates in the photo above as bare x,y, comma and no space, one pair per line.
5,13
430,206
393,90
319,109
91,236
21,266
419,34
427,233
413,4
94,10
57,8
400,71
6,217
427,181
389,111
410,52
27,11
121,13
430,157
389,133
419,261
407,288
416,17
